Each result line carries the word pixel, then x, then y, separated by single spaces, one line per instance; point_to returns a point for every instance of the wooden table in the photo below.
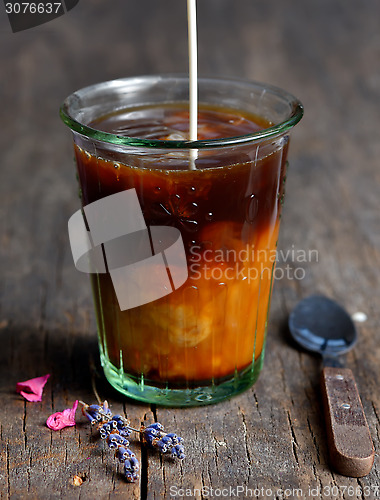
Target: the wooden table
pixel 271 439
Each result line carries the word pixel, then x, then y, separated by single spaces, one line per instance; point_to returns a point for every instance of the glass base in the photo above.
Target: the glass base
pixel 142 390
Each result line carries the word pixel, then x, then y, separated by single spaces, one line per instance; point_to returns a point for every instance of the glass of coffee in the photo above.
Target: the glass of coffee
pixel 208 215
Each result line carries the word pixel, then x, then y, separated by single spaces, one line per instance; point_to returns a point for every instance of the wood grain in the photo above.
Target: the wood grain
pixel 271 438
pixel 350 444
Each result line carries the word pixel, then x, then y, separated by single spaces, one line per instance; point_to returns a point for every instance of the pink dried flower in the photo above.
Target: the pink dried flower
pixel 34 386
pixel 61 419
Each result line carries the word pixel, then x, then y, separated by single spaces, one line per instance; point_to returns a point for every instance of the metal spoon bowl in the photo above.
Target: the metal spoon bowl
pixel 321 325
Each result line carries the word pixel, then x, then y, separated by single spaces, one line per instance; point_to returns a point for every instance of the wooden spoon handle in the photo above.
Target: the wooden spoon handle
pixel 350 444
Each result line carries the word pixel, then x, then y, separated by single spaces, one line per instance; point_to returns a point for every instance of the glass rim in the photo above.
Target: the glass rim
pixel 275 130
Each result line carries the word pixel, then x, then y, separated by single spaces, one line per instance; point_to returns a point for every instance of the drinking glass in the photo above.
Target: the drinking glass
pixel 182 236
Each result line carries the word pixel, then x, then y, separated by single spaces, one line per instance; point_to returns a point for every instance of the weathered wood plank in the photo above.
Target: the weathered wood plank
pixel 272 438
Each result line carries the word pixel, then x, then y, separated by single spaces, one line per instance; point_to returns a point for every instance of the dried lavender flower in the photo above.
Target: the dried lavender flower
pixel 115 429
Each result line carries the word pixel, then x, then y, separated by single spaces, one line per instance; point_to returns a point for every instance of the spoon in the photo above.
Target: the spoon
pixel 321 325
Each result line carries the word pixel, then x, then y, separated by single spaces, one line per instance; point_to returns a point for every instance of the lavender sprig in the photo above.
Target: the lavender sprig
pixel 155 437
pixel 115 429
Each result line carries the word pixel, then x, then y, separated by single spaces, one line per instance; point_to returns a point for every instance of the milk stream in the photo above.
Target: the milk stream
pixel 193 77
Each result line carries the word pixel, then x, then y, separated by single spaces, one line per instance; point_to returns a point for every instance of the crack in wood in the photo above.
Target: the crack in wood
pixel 28 472
pixel 314 440
pixel 257 404
pixel 8 470
pixel 245 435
pixel 144 462
pixel 375 412
pixel 294 438
pixel 314 471
pixel 204 484
pixel 24 427
pixel 163 474
pixel 362 490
